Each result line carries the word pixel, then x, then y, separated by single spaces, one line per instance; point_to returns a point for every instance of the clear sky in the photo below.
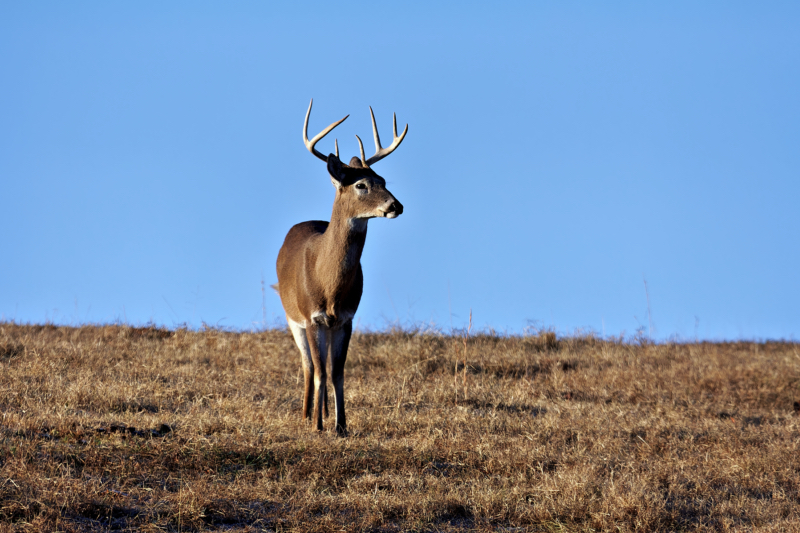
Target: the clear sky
pixel 559 155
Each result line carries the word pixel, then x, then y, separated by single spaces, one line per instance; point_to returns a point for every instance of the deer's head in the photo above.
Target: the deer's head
pixel 360 192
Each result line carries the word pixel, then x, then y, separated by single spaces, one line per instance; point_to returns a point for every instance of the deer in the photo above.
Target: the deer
pixel 320 281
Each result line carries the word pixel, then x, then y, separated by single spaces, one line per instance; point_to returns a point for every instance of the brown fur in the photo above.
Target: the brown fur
pixel 320 280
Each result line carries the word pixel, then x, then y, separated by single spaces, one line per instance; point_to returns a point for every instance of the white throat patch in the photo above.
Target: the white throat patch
pixel 358 224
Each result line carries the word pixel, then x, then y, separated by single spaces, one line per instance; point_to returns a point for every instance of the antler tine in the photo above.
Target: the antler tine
pixel 336 143
pixel 375 131
pixel 361 148
pixel 381 152
pixel 310 144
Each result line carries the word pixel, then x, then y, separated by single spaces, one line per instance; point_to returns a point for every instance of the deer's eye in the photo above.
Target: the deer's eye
pixel 360 186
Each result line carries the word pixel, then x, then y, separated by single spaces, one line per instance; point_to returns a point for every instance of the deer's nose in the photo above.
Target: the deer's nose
pixel 391 209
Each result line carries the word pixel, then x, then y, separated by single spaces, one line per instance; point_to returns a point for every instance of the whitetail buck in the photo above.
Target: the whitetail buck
pixel 319 269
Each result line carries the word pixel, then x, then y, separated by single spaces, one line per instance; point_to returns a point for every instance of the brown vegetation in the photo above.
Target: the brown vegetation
pixel 114 428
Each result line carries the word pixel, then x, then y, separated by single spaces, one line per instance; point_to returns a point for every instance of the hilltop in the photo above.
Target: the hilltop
pixel 123 428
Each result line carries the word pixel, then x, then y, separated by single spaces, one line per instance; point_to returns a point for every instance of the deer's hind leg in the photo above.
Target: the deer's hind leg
pixel 301 339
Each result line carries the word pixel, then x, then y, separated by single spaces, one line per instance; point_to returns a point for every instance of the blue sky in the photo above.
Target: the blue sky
pixel 559 155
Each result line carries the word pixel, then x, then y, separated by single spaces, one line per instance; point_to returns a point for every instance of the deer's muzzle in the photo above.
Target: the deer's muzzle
pixel 393 210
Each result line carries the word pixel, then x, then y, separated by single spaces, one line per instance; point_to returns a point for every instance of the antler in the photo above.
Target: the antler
pixel 381 152
pixel 310 144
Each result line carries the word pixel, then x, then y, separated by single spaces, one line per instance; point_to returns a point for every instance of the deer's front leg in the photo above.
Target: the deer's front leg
pixel 340 341
pixel 317 342
pixel 325 396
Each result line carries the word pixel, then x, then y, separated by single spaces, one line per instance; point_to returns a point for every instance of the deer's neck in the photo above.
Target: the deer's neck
pixel 342 245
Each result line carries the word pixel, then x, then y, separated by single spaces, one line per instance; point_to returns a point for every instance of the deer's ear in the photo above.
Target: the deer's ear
pixel 336 170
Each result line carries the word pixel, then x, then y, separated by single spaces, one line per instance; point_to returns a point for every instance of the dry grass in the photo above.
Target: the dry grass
pixel 113 428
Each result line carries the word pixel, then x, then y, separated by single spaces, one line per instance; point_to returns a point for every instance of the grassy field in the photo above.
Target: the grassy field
pixel 120 428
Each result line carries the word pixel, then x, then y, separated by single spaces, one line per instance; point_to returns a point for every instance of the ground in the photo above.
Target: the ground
pixel 146 429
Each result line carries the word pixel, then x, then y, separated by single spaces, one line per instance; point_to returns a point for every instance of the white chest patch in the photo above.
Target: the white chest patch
pixel 323 319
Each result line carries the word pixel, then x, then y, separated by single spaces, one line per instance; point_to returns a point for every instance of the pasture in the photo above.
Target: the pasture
pixel 144 429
